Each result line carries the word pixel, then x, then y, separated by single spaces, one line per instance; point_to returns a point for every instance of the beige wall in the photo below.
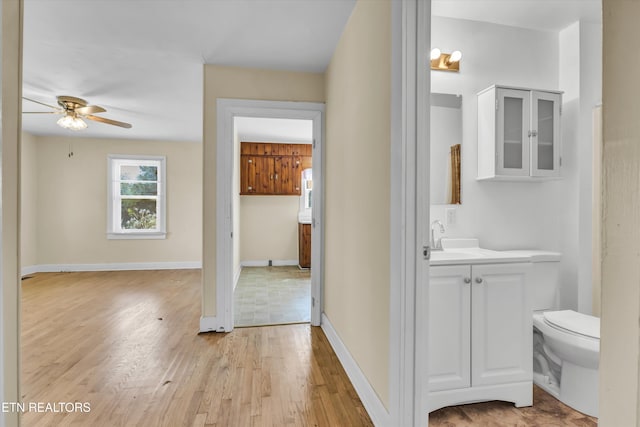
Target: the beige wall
pixel 269 228
pixel 71 210
pixel 357 178
pixel 29 200
pixel 240 83
pixel 620 355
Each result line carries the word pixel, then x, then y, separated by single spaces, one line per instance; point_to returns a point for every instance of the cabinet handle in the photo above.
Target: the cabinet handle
pixel 467 280
pixel 271 177
pixel 533 133
pixel 276 177
pixel 478 279
pixel 249 161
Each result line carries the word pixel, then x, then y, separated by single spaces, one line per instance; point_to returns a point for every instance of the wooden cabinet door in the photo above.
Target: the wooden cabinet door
pixel 306 162
pixel 272 169
pixel 502 324
pixel 449 327
pixel 304 245
pixel 287 178
pixel 247 174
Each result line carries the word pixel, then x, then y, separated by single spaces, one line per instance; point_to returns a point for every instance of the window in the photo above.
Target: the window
pixel 136 197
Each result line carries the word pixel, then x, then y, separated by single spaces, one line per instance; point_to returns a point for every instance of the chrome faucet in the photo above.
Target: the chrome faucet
pixel 436 245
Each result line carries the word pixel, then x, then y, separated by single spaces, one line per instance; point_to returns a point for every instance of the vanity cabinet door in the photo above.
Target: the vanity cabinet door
pixel 502 324
pixel 449 327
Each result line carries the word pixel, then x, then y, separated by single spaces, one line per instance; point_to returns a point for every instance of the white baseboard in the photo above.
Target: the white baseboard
pixel 265 263
pixel 55 268
pixel 375 408
pixel 210 324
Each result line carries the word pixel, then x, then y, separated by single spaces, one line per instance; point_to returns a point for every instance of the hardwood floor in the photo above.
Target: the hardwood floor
pixel 545 412
pixel 127 343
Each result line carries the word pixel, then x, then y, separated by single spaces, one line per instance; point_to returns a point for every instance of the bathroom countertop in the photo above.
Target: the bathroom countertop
pixel 468 251
pixel 304 217
pixel 475 256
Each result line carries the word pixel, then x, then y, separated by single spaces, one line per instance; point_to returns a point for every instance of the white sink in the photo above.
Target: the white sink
pixel 467 251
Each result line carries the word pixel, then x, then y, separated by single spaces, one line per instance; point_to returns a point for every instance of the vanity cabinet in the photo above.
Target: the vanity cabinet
pixel 272 169
pixel 480 334
pixel 519 134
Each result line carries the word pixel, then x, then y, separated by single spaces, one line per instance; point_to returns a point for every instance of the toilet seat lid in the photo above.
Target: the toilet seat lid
pixel 573 321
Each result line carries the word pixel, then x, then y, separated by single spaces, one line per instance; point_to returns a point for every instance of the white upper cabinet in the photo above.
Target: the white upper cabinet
pixel 518 134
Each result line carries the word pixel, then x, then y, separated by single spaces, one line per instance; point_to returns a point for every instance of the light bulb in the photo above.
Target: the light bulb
pixel 435 53
pixel 455 56
pixel 72 122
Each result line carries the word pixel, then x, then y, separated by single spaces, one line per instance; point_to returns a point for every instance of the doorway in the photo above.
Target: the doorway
pixel 228 111
pixel 272 210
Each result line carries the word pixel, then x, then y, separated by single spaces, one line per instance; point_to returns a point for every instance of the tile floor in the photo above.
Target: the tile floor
pixel 272 296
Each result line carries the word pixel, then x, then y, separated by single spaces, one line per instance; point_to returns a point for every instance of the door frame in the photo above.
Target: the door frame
pixel 227 110
pixel 410 205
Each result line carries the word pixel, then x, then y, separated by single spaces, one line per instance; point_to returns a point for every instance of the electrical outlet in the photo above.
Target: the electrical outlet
pixel 451 216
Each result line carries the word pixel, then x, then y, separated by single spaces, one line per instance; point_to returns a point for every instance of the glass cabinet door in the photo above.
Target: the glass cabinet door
pixel 512 149
pixel 545 134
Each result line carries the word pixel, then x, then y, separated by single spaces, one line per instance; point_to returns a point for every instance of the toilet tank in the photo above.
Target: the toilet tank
pixel 545 278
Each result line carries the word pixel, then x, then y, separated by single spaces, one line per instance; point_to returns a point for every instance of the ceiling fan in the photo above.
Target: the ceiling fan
pixel 75 110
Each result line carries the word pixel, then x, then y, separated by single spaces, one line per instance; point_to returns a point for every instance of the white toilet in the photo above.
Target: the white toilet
pixel 566 344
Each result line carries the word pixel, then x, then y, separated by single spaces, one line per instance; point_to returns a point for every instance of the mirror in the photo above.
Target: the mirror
pixel 446 142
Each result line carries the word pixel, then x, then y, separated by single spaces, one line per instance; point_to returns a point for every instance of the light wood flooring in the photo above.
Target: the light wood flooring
pixel 127 343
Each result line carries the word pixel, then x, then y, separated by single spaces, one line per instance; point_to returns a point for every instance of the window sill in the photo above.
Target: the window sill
pixel 137 236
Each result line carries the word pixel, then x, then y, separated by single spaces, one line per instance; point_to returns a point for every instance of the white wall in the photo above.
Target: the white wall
pixel 508 215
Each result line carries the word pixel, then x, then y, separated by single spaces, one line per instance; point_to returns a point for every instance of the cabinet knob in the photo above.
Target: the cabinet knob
pixel 478 279
pixel 249 161
pixel 467 280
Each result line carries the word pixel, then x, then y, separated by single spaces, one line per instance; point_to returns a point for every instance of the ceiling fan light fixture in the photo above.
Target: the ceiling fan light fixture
pixel 71 121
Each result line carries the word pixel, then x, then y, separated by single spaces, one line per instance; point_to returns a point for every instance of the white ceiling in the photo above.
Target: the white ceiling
pixel 546 15
pixel 258 129
pixel 143 59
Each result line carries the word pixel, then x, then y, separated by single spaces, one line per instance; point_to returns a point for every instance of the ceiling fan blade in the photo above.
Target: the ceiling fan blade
pixel 41 103
pixel 109 121
pixel 42 112
pixel 90 109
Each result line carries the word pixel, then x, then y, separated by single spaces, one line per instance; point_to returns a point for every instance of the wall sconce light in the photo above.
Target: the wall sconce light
pixel 445 61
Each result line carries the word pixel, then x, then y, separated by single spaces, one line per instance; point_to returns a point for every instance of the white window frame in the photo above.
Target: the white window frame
pixel 114 229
